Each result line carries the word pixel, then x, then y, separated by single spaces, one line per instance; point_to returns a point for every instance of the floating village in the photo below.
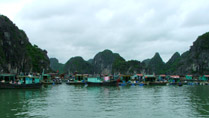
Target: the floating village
pixel 35 81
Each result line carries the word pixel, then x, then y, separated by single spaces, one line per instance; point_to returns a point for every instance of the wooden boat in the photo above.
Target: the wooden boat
pixel 79 79
pixel 57 80
pixel 20 86
pixel 174 79
pixel 76 82
pixel 11 81
pixel 158 83
pixel 46 79
pixel 97 81
pixel 111 83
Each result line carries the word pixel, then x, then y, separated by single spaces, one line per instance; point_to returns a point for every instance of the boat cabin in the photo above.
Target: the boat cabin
pixel 125 78
pixel 46 78
pixel 80 77
pixel 204 78
pixel 174 78
pixel 149 78
pixel 94 79
pixel 137 78
pixel 116 77
pixel 7 78
pixel 189 77
pixel 162 77
pixel 29 79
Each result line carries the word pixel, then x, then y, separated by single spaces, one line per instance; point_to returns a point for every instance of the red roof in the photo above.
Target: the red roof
pixel 206 75
pixel 174 76
pixel 162 75
pixel 139 74
pixel 189 75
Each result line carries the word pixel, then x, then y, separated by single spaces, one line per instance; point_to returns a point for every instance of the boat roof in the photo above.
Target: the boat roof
pixel 175 76
pixel 7 74
pixel 189 75
pixel 139 74
pixel 146 76
pixel 163 75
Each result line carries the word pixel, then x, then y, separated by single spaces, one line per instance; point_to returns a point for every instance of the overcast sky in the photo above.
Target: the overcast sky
pixel 135 29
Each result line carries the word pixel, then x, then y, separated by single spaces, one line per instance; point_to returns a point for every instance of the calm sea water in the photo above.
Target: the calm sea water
pixel 65 101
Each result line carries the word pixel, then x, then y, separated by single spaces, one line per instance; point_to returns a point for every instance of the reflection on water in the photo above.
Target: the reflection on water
pixel 61 101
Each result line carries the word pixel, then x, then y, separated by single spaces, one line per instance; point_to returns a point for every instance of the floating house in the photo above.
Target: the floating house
pixel 189 77
pixel 28 79
pixel 174 79
pixel 98 81
pixel 125 78
pixel 137 77
pixel 116 77
pixel 12 81
pixel 80 77
pixel 149 78
pixel 162 77
pixel 6 78
pixel 46 79
pixel 94 81
pixel 204 78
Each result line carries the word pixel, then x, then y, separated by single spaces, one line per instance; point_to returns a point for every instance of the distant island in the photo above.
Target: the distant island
pixel 17 55
pixel 195 61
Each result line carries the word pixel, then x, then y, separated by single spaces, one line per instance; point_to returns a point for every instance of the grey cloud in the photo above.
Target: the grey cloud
pixel 136 29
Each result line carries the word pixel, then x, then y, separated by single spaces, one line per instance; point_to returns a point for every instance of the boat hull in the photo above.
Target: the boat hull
pixel 112 83
pixel 76 83
pixel 158 83
pixel 20 86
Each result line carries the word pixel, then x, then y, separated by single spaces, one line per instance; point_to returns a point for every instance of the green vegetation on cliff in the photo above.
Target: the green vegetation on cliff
pixel 56 66
pixel 37 56
pixel 203 41
pixel 79 65
pixel 16 52
pixel 156 65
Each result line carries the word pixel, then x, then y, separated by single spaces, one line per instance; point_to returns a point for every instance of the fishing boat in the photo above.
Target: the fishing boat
pixel 125 80
pixel 151 80
pixel 57 80
pixel 11 81
pixel 204 80
pixel 174 79
pixel 98 81
pixel 46 79
pixel 78 79
pixel 136 79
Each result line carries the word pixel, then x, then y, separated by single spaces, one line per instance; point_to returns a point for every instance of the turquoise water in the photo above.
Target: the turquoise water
pixel 65 101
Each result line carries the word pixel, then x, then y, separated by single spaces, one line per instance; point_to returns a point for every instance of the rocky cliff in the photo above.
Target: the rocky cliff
pixel 155 65
pixel 79 65
pixel 17 54
pixel 127 67
pixel 103 61
pixel 196 60
pixel 172 64
pixel 56 66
